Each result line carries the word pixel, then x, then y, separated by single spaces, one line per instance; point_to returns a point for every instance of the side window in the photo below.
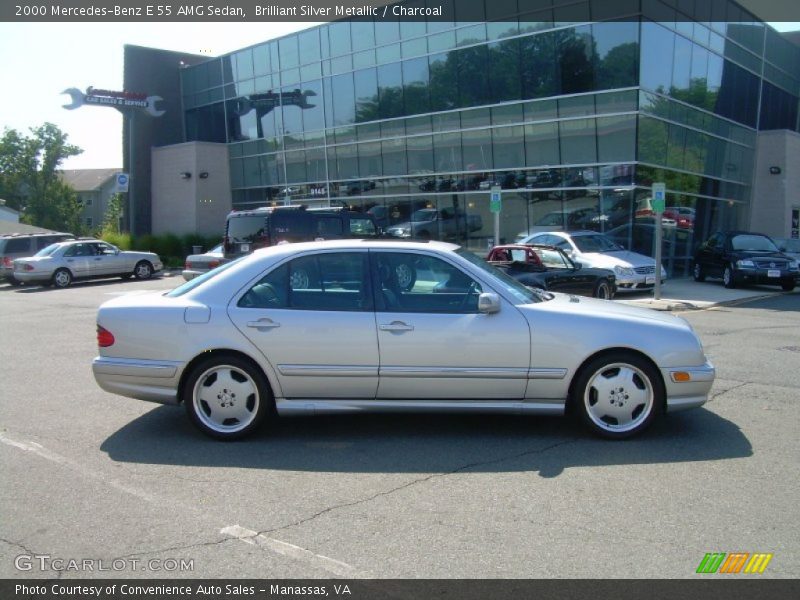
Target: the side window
pixel 423 284
pixel 330 282
pixel 103 249
pixel 329 226
pixel 44 242
pixel 362 227
pixel 79 250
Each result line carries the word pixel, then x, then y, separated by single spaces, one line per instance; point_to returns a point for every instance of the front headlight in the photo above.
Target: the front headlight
pixel 794 266
pixel 745 264
pixel 663 273
pixel 623 271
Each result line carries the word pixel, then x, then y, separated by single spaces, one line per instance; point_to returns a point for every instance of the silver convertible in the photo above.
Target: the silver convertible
pixel 327 327
pixel 62 263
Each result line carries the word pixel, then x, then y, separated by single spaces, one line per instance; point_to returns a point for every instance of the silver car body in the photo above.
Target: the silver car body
pixel 197 264
pixel 521 358
pixel 634 271
pixel 85 259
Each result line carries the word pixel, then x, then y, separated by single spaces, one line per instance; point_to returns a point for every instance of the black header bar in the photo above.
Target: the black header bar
pixel 210 11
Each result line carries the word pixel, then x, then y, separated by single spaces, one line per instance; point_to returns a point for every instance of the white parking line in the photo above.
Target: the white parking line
pixel 41 451
pixel 331 565
pixel 129 293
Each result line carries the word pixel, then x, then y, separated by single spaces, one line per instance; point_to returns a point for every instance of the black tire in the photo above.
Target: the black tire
pixel 698 272
pixel 143 270
pixel 728 277
pixel 13 281
pixel 602 290
pixel 788 286
pixel 603 402
pixel 62 278
pixel 219 379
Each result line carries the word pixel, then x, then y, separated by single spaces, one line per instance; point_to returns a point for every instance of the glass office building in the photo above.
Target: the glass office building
pixel 573 109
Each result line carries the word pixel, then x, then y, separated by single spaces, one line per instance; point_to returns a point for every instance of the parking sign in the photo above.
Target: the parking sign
pixel 659 197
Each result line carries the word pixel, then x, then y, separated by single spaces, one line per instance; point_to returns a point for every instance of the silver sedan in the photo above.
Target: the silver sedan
pixel 197 264
pixel 326 327
pixel 62 263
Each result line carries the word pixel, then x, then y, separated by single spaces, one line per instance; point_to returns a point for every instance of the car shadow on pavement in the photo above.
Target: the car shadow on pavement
pixel 424 443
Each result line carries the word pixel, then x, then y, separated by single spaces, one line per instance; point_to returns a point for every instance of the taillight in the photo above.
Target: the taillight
pixel 188 265
pixel 213 264
pixel 104 337
pixel 27 267
pixel 7 262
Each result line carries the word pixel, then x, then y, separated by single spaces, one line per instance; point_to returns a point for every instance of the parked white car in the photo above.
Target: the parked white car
pixel 197 264
pixel 250 340
pixel 635 272
pixel 62 263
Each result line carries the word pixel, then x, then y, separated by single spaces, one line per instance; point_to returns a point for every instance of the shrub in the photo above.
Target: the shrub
pixel 122 241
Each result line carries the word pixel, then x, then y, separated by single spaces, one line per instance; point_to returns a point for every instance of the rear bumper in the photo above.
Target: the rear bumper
pixel 682 395
pixel 153 381
pixel 31 276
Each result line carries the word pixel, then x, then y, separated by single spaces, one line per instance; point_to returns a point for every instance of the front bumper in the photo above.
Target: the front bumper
pixel 682 395
pixel 150 380
pixel 761 277
pixel 636 283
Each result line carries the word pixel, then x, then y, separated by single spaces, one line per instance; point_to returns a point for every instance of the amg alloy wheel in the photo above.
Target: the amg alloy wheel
pixel 226 397
pixel 618 395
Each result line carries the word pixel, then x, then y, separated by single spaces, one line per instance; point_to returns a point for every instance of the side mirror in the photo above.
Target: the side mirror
pixel 488 303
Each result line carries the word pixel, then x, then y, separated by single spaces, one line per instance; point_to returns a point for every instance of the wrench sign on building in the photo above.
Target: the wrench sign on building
pixel 120 100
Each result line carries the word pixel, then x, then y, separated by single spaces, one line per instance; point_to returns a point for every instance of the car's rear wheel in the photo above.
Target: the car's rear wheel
pixel 618 395
pixel 62 278
pixel 143 270
pixel 728 278
pixel 226 397
pixel 698 272
pixel 602 290
pixel 787 287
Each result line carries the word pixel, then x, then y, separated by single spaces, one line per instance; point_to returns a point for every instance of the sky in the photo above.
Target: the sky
pixel 38 61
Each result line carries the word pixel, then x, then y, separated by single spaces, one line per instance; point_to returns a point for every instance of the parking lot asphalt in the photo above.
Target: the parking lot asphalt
pixel 89 475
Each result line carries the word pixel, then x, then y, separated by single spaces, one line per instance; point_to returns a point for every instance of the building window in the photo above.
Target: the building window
pixel 89 221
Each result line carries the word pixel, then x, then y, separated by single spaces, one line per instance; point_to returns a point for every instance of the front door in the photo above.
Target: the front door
pixel 434 344
pixel 80 259
pixel 312 318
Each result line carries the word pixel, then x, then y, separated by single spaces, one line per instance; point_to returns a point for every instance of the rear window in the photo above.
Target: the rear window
pixel 362 227
pixel 48 250
pixel 15 245
pixel 246 228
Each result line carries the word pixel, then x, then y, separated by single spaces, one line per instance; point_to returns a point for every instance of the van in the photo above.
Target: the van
pixel 248 230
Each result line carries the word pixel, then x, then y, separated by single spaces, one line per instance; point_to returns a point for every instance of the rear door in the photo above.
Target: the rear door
pixel 312 318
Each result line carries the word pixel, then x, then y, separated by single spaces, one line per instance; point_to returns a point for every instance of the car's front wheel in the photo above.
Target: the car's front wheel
pixel 618 395
pixel 62 278
pixel 788 286
pixel 602 290
pixel 143 270
pixel 226 397
pixel 728 278
pixel 698 272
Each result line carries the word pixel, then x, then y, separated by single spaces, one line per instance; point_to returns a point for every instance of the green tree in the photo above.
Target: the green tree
pixel 113 214
pixel 29 179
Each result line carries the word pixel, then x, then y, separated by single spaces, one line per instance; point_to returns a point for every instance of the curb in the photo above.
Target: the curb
pixel 685 305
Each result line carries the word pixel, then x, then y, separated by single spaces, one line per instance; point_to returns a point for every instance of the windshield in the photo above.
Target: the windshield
pixel 753 243
pixel 47 250
pixel 595 243
pixel 523 294
pixel 426 214
pixel 201 279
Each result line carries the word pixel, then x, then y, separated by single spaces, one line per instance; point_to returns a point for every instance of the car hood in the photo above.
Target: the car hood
pixel 621 258
pixel 750 254
pixel 605 309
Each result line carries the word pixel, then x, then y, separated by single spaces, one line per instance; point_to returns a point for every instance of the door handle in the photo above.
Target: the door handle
pixel 263 324
pixel 396 326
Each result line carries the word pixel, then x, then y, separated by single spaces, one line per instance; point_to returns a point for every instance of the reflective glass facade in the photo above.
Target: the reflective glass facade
pixel 573 108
